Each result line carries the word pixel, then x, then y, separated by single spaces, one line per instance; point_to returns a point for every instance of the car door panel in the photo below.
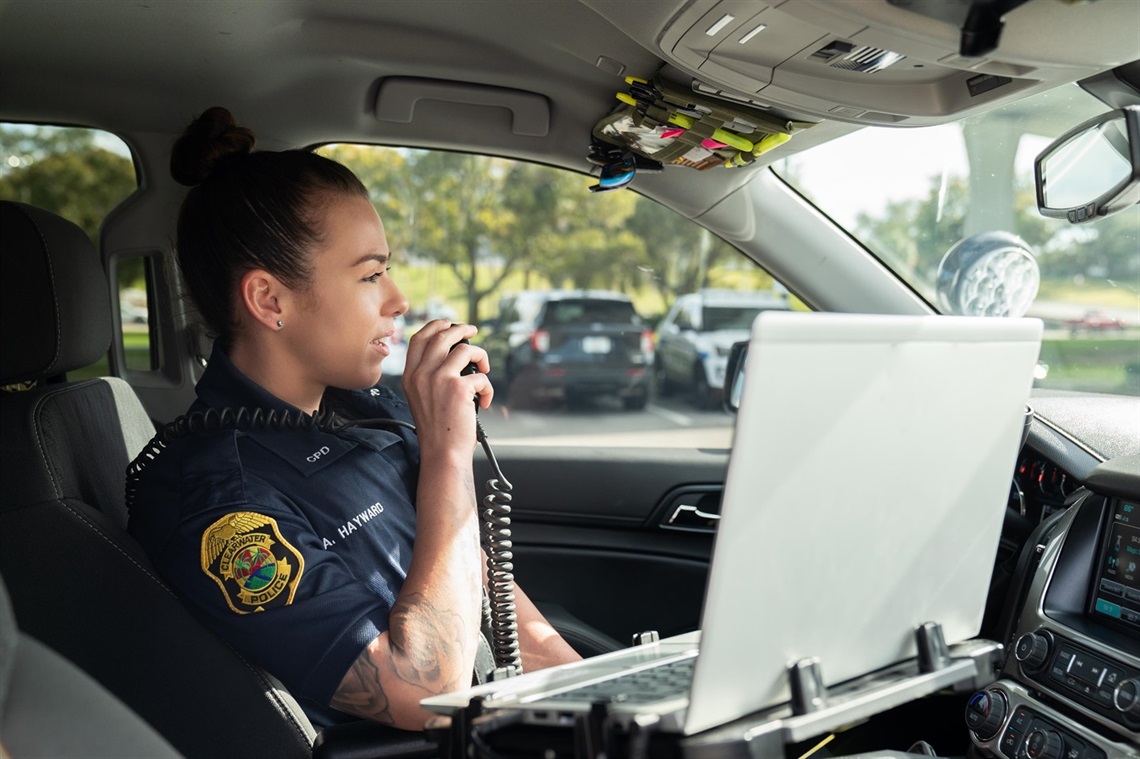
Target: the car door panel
pixel 588 532
pixel 619 592
pixel 678 356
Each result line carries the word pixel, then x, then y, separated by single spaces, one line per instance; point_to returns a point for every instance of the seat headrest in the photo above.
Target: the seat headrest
pixel 55 307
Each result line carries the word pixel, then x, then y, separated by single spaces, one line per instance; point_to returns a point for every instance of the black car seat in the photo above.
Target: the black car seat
pixel 50 707
pixel 78 582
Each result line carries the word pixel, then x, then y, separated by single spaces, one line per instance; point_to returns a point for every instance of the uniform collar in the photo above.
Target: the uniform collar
pixel 223 385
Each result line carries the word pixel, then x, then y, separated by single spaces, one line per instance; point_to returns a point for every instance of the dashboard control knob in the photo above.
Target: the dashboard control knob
pixel 1042 744
pixel 985 713
pixel 1126 697
pixel 1032 649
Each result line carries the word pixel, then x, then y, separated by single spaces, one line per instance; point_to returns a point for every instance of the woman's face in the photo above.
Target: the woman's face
pixel 340 328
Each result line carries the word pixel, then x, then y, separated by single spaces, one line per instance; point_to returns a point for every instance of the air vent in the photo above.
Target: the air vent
pixel 861 58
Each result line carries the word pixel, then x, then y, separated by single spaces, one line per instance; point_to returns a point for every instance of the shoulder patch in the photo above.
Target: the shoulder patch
pixel 255 567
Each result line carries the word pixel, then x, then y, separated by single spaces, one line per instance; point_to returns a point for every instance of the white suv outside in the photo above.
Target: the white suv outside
pixel 694 339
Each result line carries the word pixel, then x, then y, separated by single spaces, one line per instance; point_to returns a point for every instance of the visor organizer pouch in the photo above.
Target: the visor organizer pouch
pixel 661 124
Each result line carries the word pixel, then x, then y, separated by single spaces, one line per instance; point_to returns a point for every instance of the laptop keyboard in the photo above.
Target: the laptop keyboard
pixel 642 686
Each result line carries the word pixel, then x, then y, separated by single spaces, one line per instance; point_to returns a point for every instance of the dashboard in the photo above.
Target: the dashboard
pixel 1069 687
pixel 1041 487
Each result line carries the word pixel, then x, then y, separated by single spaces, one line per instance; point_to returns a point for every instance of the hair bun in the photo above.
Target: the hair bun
pixel 212 140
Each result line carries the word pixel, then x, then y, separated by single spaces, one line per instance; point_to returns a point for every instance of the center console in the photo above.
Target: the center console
pixel 1070 684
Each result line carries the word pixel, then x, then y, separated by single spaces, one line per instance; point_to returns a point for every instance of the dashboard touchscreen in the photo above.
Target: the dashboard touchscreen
pixel 1117 591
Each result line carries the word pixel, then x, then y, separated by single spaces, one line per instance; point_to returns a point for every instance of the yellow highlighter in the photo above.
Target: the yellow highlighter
pixel 720 135
pixel 771 141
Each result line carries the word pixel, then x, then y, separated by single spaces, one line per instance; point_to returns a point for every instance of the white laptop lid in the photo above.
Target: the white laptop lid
pixel 864 496
pixel 869 475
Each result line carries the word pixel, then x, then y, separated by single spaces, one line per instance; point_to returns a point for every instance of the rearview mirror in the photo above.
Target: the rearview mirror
pixel 734 376
pixel 1093 170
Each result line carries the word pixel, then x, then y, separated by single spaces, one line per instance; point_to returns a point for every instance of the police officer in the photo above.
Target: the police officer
pixel 296 545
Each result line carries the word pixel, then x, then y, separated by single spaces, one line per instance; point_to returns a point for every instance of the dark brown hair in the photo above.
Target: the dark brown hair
pixel 247 210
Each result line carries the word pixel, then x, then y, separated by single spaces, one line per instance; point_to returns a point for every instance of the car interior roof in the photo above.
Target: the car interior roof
pixel 307 72
pixel 304 72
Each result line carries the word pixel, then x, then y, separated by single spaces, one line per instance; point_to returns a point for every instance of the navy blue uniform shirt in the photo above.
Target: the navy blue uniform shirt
pixel 291 545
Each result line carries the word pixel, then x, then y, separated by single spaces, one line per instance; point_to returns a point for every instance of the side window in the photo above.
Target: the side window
pixel 693 316
pixel 80 174
pixel 683 320
pixel 508 313
pixel 568 288
pixel 135 286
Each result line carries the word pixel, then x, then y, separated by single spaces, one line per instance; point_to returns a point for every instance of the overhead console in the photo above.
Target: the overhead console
pixel 891 62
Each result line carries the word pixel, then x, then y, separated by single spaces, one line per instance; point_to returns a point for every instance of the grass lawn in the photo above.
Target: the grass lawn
pixel 1110 365
pixel 1104 296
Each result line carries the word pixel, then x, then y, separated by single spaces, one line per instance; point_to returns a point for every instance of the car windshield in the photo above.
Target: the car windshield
pixel 715 318
pixel 909 195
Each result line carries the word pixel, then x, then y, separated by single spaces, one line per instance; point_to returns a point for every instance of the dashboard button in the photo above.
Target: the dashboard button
pixel 986 712
pixel 1105 607
pixel 1043 744
pixel 1032 650
pixel 974 719
pixel 1092 752
pixel 1126 698
pixel 1009 742
pixel 1020 720
pixel 1114 588
pixel 1090 669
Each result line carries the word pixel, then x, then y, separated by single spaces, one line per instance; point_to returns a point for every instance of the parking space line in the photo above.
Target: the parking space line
pixel 679 419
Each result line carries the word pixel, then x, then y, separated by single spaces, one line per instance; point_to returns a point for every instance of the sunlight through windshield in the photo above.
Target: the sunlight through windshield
pixel 909 195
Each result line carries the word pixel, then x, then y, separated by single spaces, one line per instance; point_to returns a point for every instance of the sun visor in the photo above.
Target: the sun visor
pixel 874 62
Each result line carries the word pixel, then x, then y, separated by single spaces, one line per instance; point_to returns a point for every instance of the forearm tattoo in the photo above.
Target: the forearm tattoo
pixel 361 692
pixel 422 638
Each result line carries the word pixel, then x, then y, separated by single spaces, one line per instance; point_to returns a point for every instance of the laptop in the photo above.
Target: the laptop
pixel 864 496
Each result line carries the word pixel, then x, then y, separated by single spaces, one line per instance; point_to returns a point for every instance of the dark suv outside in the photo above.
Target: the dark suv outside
pixel 574 345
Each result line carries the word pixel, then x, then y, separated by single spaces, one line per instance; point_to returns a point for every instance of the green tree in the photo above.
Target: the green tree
pixel 27 143
pixel 915 234
pixel 385 172
pixel 531 195
pixel 64 171
pixel 484 219
pixel 460 219
pixel 583 237
pixel 680 255
pixel 1104 249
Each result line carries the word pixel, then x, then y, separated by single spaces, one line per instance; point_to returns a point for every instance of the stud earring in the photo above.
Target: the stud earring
pixel 280 324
